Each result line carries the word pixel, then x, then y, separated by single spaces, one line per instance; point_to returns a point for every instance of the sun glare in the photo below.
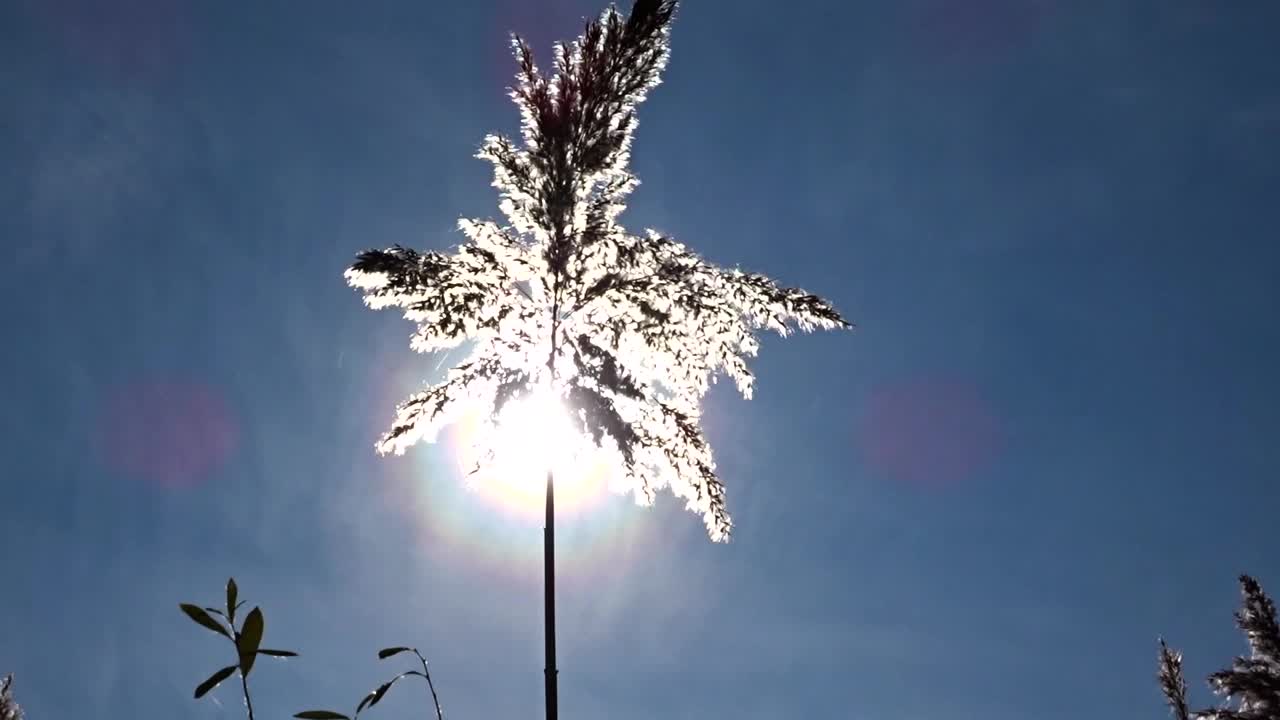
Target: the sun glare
pixel 533 434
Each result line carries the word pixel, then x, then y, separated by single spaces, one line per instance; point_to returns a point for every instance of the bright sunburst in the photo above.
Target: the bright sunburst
pixel 533 433
pixel 631 328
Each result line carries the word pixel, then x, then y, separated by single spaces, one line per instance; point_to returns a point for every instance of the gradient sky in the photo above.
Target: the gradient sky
pixel 1052 439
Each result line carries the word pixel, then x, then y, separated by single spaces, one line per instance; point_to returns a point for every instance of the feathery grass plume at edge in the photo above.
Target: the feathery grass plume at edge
pixel 1250 688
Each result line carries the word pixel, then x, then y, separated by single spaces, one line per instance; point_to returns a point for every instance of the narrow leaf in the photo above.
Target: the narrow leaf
pixel 202 618
pixel 372 698
pixel 250 638
pixel 278 653
pixel 382 691
pixel 232 593
pixel 216 611
pixel 376 696
pixel 214 680
pixel 385 653
pixel 320 715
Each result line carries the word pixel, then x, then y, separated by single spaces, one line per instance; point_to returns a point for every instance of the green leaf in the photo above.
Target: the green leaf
pixel 213 680
pixel 232 593
pixel 372 698
pixel 250 638
pixel 202 618
pixel 278 653
pixel 385 653
pixel 320 715
pixel 215 611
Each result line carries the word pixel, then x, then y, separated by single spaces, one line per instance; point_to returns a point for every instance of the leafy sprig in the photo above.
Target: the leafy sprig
pixel 375 696
pixel 246 640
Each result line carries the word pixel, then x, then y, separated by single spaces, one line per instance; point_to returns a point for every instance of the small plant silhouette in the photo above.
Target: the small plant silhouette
pixel 375 696
pixel 247 640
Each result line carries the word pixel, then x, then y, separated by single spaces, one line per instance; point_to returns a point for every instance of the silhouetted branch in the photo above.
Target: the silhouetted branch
pixel 1250 687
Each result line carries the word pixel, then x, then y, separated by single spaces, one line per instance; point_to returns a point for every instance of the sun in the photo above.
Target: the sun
pixel 533 433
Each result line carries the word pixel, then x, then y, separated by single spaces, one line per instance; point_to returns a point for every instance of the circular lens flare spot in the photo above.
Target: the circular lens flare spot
pixel 171 434
pixel 980 31
pixel 134 40
pixel 930 432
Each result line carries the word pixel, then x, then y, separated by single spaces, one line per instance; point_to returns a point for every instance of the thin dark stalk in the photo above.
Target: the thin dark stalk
pixel 550 672
pixel 244 685
pixel 427 674
pixel 549 567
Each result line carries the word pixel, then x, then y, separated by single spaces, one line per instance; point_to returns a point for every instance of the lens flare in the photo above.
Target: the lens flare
pixel 169 433
pixel 533 434
pixel 931 431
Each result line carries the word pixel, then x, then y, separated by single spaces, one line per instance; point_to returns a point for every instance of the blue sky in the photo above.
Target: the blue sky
pixel 1051 439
